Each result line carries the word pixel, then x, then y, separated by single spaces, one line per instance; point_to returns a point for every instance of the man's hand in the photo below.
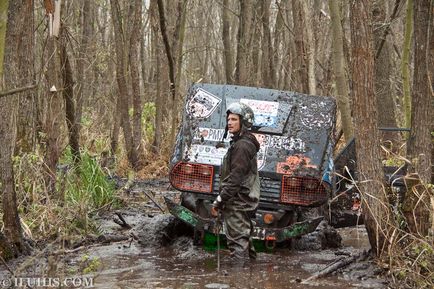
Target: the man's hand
pixel 216 206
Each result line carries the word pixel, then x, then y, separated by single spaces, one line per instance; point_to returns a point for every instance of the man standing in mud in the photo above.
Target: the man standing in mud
pixel 239 187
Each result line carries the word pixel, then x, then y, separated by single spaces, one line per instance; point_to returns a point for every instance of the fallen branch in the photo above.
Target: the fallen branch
pixel 336 266
pixel 121 222
pixel 105 240
pixel 17 90
pixel 152 199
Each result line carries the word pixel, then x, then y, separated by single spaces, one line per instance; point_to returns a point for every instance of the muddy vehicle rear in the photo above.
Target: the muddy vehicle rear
pixel 295 132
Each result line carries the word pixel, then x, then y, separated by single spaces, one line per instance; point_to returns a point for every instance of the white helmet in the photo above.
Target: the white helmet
pixel 245 112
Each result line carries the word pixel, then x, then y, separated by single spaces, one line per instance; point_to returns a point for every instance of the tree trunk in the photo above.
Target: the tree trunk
pixel 54 114
pixel 310 51
pixel 159 104
pixel 25 48
pixel 278 37
pixel 136 32
pixel 68 95
pixel 12 243
pixel 419 143
pixel 370 172
pixel 289 75
pixel 254 55
pixel 87 12
pixel 11 221
pixel 114 137
pixel 169 52
pixel 3 23
pixel 300 60
pixel 419 147
pixel 383 85
pixel 116 125
pixel 159 109
pixel 342 93
pixel 405 64
pixel 21 73
pixel 121 74
pixel 227 45
pixel 179 40
pixel 244 31
pixel 431 80
pixel 268 77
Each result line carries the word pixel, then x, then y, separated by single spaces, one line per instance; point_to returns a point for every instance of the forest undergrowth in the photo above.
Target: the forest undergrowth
pixel 84 189
pixel 408 256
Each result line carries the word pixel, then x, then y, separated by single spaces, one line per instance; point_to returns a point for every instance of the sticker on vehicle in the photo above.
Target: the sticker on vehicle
pixel 210 134
pixel 202 104
pixel 265 112
pixel 206 154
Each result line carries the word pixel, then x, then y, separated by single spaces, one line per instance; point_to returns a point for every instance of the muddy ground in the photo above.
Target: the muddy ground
pixel 158 252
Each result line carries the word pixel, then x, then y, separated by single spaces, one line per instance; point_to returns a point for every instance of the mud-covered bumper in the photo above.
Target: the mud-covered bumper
pixel 261 233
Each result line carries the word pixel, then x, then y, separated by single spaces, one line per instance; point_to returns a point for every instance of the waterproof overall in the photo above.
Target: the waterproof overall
pixel 239 190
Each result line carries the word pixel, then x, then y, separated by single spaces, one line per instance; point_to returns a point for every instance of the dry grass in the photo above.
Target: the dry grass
pixel 408 252
pixel 64 215
pixel 407 255
pixel 411 261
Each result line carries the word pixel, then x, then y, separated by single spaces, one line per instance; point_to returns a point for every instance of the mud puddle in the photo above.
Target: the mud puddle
pixel 159 253
pixel 162 257
pixel 181 265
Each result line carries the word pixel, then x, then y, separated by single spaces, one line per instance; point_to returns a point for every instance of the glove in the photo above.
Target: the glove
pixel 216 206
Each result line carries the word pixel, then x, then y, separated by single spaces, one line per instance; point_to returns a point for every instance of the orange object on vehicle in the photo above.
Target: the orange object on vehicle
pixel 302 190
pixel 192 177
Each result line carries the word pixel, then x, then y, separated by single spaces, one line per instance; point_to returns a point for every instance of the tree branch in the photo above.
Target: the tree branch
pixel 167 47
pixel 17 90
pixel 386 31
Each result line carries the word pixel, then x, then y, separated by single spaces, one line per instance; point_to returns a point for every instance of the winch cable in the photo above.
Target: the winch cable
pixel 218 227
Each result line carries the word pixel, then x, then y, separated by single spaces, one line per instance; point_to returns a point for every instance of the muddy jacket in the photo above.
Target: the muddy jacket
pixel 239 187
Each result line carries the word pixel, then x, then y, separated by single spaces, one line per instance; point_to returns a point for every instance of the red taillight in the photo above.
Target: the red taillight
pixel 192 177
pixel 303 191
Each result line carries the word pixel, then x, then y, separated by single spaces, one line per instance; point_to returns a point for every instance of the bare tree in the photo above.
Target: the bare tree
pixel 243 37
pixel 178 45
pixel 419 143
pixel 310 49
pixel 54 113
pixel 383 65
pixel 405 63
pixel 68 95
pixel 156 76
pixel 370 170
pixel 279 36
pixel 87 11
pixel 228 51
pixel 171 48
pixel 3 23
pixel 25 50
pixel 300 60
pixel 135 75
pixel 419 147
pixel 342 93
pixel 268 69
pixel 13 243
pixel 169 52
pixel 121 77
